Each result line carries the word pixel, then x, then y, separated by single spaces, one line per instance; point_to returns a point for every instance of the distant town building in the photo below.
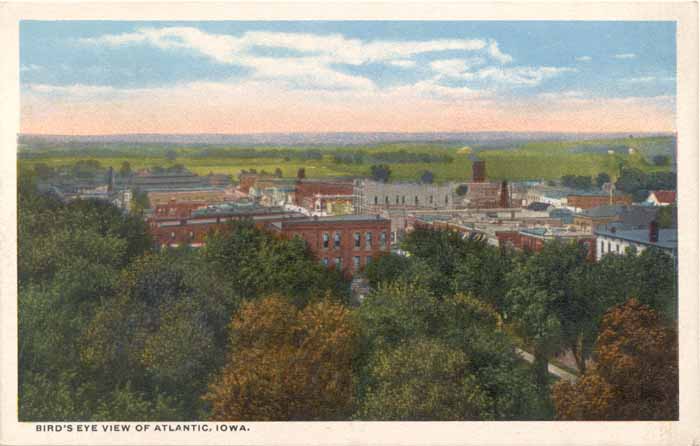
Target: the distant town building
pixel 148 180
pixel 348 243
pixel 616 241
pixel 534 239
pixel 579 202
pixel 309 192
pixel 661 198
pixel 374 196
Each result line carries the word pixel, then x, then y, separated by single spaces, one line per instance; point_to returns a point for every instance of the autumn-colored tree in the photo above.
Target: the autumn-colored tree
pixel 635 376
pixel 286 364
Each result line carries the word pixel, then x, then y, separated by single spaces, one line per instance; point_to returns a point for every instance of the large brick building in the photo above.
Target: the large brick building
pixel 308 192
pixel 348 242
pixel 375 196
pixel 533 239
pixel 173 231
pixel 587 201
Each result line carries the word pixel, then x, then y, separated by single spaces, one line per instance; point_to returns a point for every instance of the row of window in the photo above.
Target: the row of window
pixel 356 262
pixel 416 201
pixel 357 238
pixel 607 247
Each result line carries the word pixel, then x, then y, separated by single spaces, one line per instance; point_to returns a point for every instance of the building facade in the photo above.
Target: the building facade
pixel 617 241
pixel 348 243
pixel 374 196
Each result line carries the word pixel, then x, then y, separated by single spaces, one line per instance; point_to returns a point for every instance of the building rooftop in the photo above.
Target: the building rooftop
pixel 236 208
pixel 602 211
pixel 538 206
pixel 331 219
pixel 668 238
pixel 665 196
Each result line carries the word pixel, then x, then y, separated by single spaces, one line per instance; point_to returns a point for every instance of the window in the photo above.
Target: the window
pixel 368 239
pixel 191 235
pixel 325 240
pixel 382 239
pixel 325 261
pixel 386 199
pixel 403 199
pixel 446 200
pixel 338 262
pixel 393 236
pixel 356 263
pixel 431 199
pixel 617 248
pixel 397 199
pixel 376 200
pixel 172 235
pixel 336 240
pixel 416 199
pixel 368 260
pixel 358 239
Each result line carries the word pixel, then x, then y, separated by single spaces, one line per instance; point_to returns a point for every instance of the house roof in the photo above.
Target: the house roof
pixel 668 238
pixel 665 196
pixel 602 211
pixel 538 206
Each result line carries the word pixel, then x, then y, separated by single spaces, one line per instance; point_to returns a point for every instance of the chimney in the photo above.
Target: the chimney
pixel 479 171
pixel 110 180
pixel 505 195
pixel 653 231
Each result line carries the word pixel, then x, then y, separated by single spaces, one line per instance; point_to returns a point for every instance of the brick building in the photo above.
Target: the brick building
pixel 191 230
pixel 533 239
pixel 347 242
pixel 375 196
pixel 588 201
pixel 307 192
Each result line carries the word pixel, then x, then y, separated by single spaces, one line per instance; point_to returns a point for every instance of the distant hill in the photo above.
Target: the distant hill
pixel 483 139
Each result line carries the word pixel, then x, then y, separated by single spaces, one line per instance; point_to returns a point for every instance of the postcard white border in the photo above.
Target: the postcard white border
pixel 685 431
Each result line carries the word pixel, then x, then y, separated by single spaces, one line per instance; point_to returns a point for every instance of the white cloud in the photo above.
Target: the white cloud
pixel 521 75
pixel 30 67
pixel 637 80
pixel 560 95
pixel 402 63
pixel 75 90
pixel 625 56
pixel 319 54
pixel 496 53
pixel 584 59
pixel 455 67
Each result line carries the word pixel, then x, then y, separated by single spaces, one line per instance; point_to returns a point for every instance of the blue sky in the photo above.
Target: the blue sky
pixel 440 61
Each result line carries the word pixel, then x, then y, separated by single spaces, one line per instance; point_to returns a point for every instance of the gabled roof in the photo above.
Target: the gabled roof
pixel 665 196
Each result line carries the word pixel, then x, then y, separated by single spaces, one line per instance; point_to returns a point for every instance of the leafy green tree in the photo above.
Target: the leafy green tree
pixel 661 160
pixel 635 376
pixel 380 172
pixel 170 155
pixel 548 309
pixel 602 178
pixel 287 364
pixel 423 380
pixel 462 190
pixel 125 169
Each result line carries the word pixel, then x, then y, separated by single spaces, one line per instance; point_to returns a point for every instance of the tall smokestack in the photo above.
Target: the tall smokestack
pixel 653 231
pixel 505 195
pixel 479 171
pixel 110 180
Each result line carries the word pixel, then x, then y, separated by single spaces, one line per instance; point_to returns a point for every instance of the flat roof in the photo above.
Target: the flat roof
pixel 332 219
pixel 668 238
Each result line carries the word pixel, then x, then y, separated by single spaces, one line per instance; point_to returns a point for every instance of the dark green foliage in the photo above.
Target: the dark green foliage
pixel 602 178
pixel 462 190
pixel 427 177
pixel 380 172
pixel 638 184
pixel 170 155
pixel 661 160
pixel 576 181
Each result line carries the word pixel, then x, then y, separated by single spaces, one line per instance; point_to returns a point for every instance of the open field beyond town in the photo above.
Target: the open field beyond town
pixel 545 160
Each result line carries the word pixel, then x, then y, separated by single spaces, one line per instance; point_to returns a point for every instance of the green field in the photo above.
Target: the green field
pixel 534 160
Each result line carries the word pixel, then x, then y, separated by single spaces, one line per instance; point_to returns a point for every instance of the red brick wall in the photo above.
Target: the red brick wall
pixel 307 189
pixel 312 233
pixel 592 201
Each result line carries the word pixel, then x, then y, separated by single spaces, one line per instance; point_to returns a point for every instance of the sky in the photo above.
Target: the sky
pixel 234 77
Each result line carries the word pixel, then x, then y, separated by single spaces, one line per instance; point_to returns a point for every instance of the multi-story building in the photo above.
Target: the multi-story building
pixel 579 202
pixel 616 241
pixel 348 242
pixel 168 180
pixel 309 191
pixel 534 239
pixel 191 230
pixel 375 196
